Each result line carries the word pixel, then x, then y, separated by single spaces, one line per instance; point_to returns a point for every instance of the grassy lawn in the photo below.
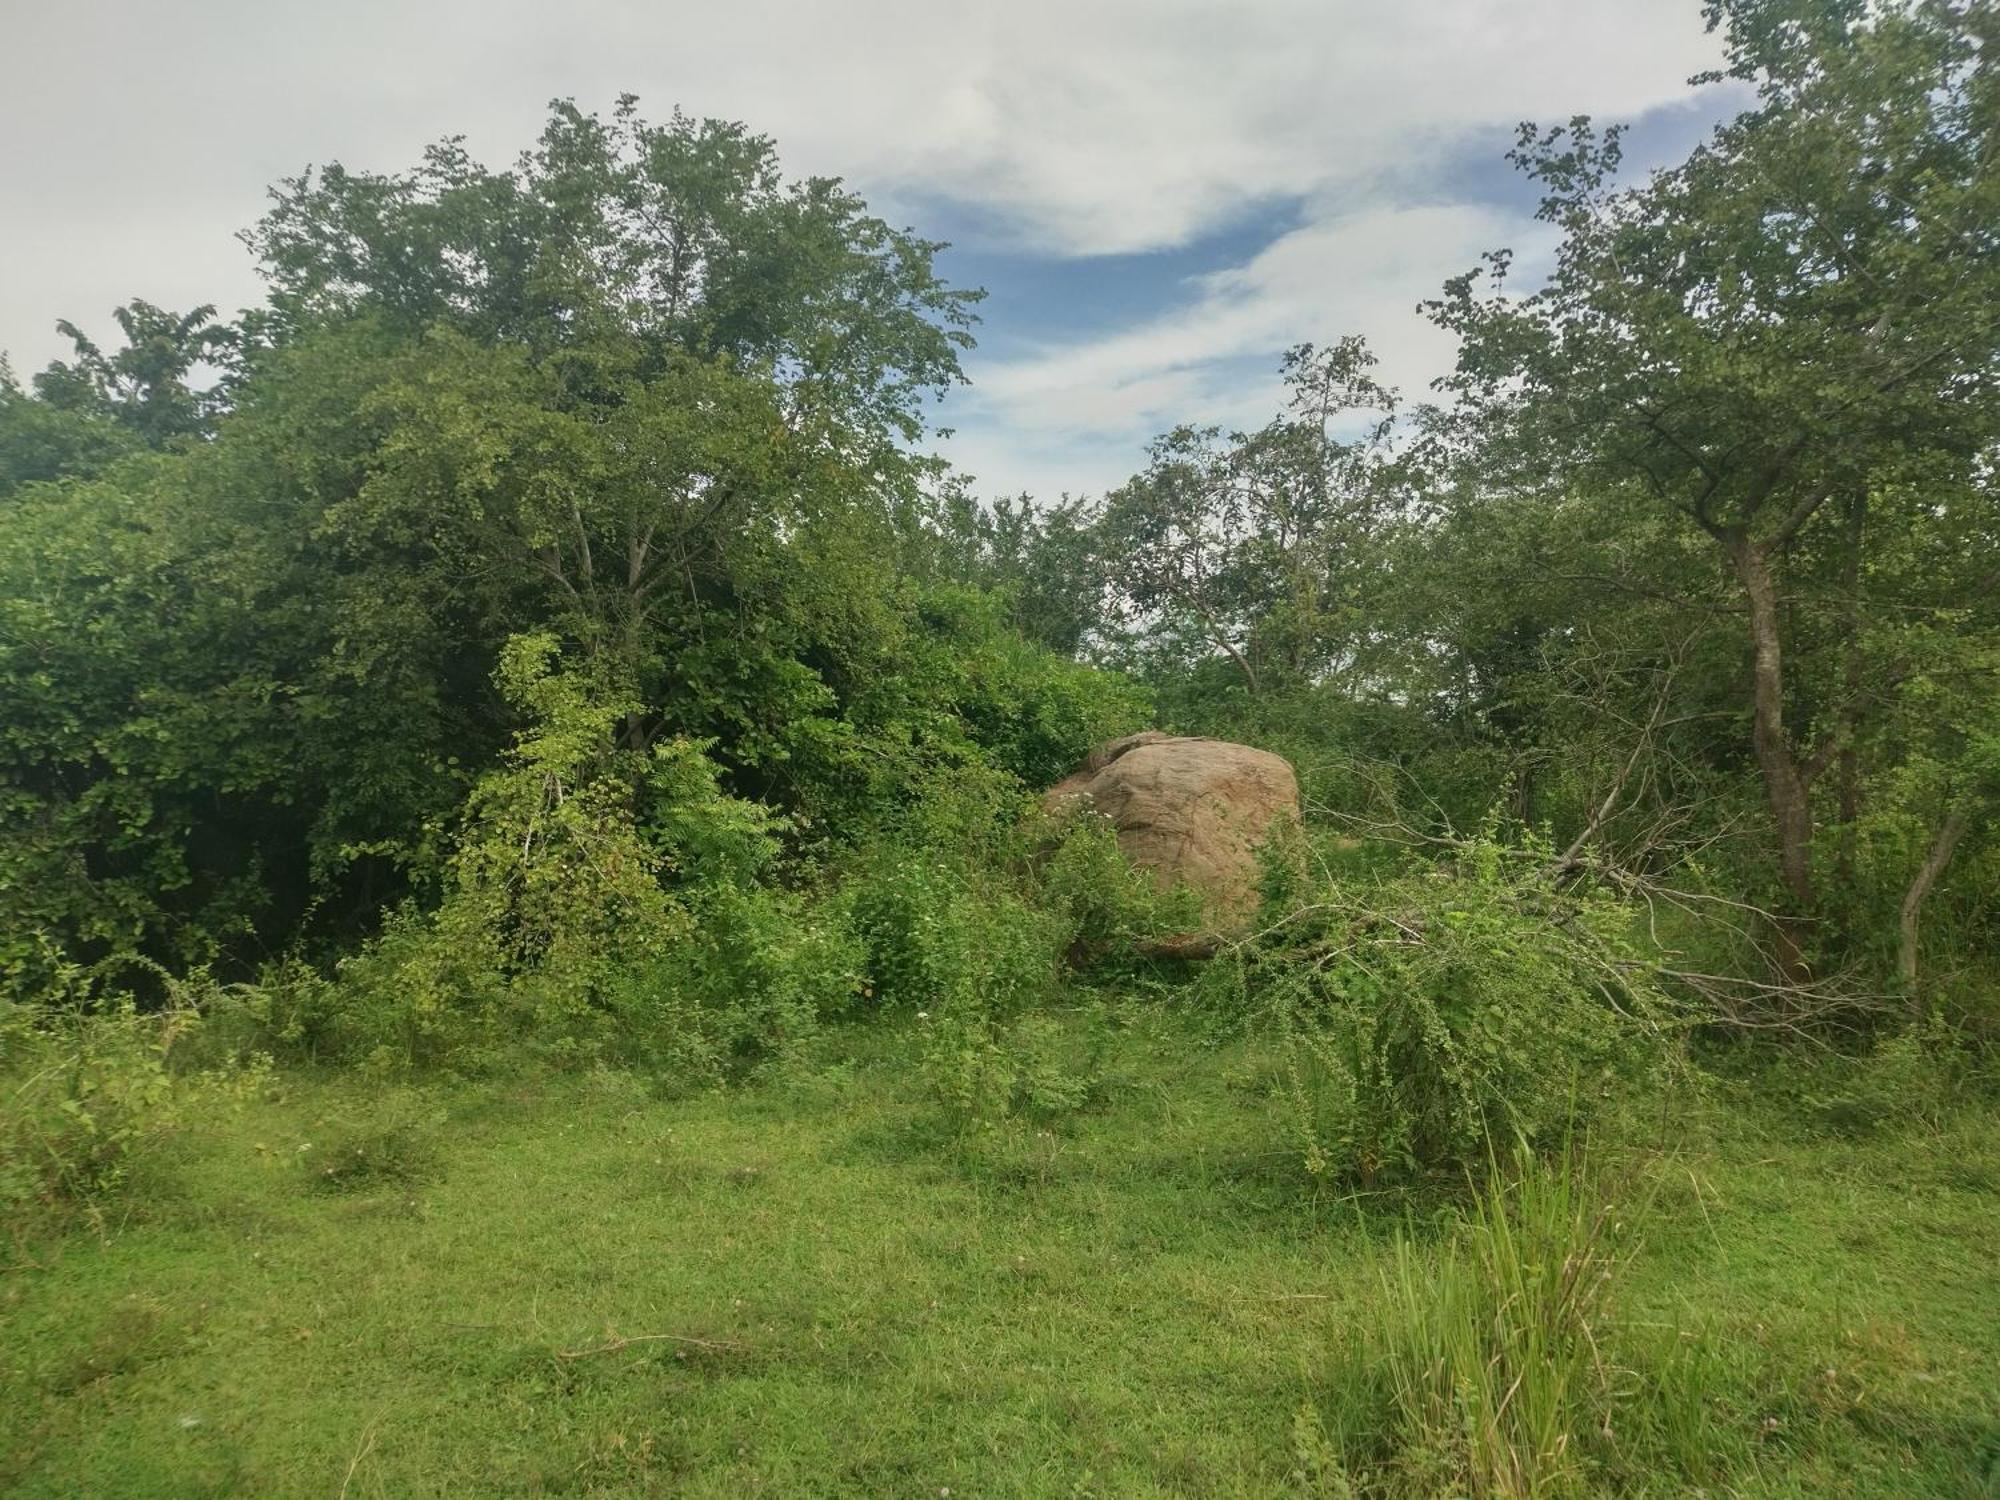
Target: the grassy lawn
pixel 573 1286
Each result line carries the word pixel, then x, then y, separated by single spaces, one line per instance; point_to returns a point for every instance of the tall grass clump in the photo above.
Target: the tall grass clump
pixel 1493 1363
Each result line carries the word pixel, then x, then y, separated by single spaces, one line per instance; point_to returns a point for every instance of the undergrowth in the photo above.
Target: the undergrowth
pixel 1496 1362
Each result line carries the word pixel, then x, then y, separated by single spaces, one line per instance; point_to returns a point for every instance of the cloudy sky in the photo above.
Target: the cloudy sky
pixel 1159 196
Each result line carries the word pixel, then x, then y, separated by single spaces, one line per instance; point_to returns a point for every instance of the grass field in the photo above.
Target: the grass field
pixel 571 1285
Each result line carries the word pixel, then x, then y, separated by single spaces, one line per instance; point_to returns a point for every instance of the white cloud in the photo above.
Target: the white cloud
pixel 1362 273
pixel 1120 127
pixel 140 136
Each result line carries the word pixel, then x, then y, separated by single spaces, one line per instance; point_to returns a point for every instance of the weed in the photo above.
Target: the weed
pixel 396 1144
pixel 1493 1364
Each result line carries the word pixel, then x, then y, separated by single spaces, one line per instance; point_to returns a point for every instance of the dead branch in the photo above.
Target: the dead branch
pixel 616 1343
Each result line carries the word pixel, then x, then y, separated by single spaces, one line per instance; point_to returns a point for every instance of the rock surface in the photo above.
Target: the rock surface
pixel 1188 810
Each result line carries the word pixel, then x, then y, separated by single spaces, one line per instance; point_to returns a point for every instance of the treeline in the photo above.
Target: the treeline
pixel 1694 562
pixel 546 585
pixel 636 392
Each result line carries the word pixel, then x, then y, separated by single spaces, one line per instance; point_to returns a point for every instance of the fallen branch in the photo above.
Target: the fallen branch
pixel 1184 945
pixel 615 1343
pixel 367 1447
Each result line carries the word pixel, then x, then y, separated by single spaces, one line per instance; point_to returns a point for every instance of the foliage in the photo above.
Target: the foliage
pixel 680 237
pixel 601 899
pixel 1106 906
pixel 1785 347
pixel 981 1052
pixel 546 650
pixel 1257 548
pixel 551 893
pixel 1429 1015
pixel 640 392
pixel 40 442
pixel 1045 559
pixel 1911 1082
pixel 966 958
pixel 142 388
pixel 90 1086
pixel 978 951
pixel 757 978
pixel 84 1095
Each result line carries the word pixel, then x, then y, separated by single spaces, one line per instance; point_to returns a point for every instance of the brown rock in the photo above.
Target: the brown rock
pixel 1188 810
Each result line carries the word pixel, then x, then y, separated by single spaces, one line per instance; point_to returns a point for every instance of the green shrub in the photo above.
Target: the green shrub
pixel 983 1068
pixel 968 958
pixel 290 1011
pixel 89 1084
pixel 1058 1069
pixel 602 901
pixel 83 1094
pixel 753 981
pixel 1032 713
pixel 551 894
pixel 905 911
pixel 1425 1016
pixel 1104 903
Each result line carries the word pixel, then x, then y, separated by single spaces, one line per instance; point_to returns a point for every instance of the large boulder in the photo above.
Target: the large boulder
pixel 1189 810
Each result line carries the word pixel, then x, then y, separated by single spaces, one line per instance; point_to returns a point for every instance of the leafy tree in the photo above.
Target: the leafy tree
pixel 143 387
pixel 638 396
pixel 1043 555
pixel 39 441
pixel 1255 548
pixel 647 240
pixel 1795 325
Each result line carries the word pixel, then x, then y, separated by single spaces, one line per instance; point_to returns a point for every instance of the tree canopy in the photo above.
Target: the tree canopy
pixel 1687 567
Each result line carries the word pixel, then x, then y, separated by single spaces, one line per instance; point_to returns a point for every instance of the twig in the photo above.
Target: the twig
pixel 367 1447
pixel 613 1345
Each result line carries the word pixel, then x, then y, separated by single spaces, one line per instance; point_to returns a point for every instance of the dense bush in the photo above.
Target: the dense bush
pixel 1106 905
pixel 601 900
pixel 604 901
pixel 90 1085
pixel 975 948
pixel 1424 1017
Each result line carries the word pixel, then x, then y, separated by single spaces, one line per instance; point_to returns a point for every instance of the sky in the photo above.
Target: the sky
pixel 1159 197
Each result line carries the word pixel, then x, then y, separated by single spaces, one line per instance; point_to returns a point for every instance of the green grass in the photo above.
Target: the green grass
pixel 572 1286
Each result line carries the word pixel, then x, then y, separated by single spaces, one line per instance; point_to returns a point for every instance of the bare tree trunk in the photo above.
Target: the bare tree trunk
pixel 1216 635
pixel 1927 875
pixel 1848 763
pixel 1784 785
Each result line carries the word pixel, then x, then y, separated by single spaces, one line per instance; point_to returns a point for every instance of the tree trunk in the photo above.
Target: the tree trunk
pixel 1214 628
pixel 1848 761
pixel 1784 784
pixel 1913 899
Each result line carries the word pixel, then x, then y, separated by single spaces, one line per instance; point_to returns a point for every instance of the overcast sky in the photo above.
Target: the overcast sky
pixel 1158 196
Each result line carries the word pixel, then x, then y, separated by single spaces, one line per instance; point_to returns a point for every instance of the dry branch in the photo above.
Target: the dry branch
pixel 616 1342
